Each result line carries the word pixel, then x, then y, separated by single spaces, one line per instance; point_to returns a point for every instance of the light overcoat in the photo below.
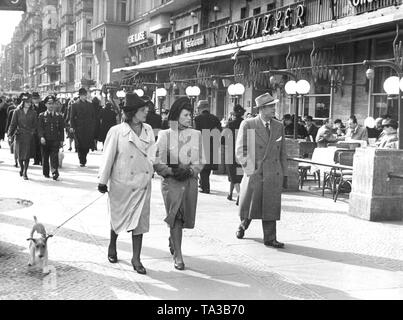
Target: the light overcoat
pixel 128 167
pixel 264 160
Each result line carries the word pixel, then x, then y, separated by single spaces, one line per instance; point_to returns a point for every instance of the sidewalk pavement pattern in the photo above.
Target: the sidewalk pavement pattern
pixel 328 254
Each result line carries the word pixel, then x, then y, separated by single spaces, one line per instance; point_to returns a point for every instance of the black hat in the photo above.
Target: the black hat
pixel 178 106
pixel 35 95
pixel 239 111
pixel 133 103
pixel 25 96
pixel 48 98
pixel 82 92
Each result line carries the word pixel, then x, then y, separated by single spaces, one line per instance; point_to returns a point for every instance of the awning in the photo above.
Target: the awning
pixel 181 59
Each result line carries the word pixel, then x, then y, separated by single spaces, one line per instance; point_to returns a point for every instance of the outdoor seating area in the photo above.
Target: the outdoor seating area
pixel 330 168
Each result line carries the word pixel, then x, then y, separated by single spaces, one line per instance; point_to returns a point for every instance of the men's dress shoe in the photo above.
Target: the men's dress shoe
pixel 56 176
pixel 47 176
pixel 139 269
pixel 82 165
pixel 21 173
pixel 274 244
pixel 26 178
pixel 229 198
pixel 240 233
pixel 179 266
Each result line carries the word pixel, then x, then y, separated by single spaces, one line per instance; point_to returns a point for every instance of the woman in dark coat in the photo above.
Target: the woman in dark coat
pixel 234 170
pixel 179 161
pixel 24 127
pixel 107 121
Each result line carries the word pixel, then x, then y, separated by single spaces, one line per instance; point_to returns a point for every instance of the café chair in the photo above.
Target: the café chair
pixel 345 177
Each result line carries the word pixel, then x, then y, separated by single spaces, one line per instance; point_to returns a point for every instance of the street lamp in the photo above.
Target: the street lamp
pixel 297 90
pixel 121 95
pixel 139 92
pixel 236 91
pixel 193 93
pixel 161 94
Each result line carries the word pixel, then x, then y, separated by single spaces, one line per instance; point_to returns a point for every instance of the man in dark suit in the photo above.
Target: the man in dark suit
pixel 51 134
pixel 82 124
pixel 206 121
pixel 311 128
pixel 153 119
pixel 39 107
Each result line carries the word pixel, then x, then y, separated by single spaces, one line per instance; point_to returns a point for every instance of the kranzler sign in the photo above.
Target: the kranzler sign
pixel 273 22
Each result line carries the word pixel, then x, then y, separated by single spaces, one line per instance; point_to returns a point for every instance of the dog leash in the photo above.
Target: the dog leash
pixel 75 215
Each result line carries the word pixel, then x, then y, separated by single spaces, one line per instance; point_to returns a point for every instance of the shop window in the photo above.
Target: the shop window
pixel 382 104
pixel 244 13
pixel 256 11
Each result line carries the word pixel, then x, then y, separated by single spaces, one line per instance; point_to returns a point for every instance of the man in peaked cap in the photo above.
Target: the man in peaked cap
pixel 82 123
pixel 261 150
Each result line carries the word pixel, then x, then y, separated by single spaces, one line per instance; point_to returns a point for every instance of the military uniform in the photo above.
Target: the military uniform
pixel 51 128
pixel 40 108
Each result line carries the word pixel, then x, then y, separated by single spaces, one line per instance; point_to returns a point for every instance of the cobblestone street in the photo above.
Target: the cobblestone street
pixel 328 254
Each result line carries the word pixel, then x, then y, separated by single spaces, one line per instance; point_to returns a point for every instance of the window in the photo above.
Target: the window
pixel 383 105
pixel 71 38
pixel 244 13
pixel 183 33
pixel 196 28
pixel 89 68
pixel 256 11
pixel 89 26
pixel 271 6
pixel 122 10
pixel 71 67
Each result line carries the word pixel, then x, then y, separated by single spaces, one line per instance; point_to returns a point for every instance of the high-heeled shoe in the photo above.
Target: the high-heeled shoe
pixel 179 266
pixel 112 256
pixel 171 247
pixel 139 269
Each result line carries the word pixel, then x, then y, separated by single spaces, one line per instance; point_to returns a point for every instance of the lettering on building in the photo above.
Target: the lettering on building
pixel 137 37
pixel 178 47
pixel 196 42
pixel 272 22
pixel 357 3
pixel 70 50
pixel 164 50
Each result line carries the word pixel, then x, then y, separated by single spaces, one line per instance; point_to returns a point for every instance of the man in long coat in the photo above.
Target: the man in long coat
pixel 261 151
pixel 39 107
pixel 82 123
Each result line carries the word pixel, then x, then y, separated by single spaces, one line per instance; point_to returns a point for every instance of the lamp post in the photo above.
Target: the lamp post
pixel 161 94
pixel 121 94
pixel 139 92
pixel 297 90
pixel 236 91
pixel 193 93
pixel 393 86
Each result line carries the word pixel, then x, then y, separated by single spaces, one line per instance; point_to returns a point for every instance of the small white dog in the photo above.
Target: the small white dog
pixel 38 247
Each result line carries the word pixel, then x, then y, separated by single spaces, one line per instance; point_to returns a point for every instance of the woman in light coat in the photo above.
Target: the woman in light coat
pixel 127 165
pixel 179 161
pixel 23 127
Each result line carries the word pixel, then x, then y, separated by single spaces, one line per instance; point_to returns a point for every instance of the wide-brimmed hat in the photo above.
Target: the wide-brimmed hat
pixel 177 107
pixel 133 103
pixel 266 100
pixel 391 123
pixel 239 111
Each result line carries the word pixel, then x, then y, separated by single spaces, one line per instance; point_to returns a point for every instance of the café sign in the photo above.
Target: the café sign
pixel 137 37
pixel 164 50
pixel 273 22
pixel 194 42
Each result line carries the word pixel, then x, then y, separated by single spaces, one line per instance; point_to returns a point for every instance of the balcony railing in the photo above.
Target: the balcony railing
pixel 316 11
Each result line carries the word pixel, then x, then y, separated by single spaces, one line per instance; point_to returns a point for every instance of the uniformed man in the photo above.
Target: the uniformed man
pixel 82 124
pixel 51 134
pixel 39 107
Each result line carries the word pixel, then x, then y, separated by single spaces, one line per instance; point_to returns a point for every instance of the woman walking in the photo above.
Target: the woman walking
pixel 234 170
pixel 127 165
pixel 24 127
pixel 179 161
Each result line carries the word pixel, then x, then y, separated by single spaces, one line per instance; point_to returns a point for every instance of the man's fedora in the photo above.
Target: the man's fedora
pixel 203 105
pixel 265 100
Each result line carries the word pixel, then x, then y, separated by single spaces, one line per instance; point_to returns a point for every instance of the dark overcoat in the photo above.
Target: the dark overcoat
pixel 83 122
pixel 24 128
pixel 107 121
pixel 264 160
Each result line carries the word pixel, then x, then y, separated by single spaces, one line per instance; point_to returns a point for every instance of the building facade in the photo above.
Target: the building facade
pixel 212 44
pixel 76 45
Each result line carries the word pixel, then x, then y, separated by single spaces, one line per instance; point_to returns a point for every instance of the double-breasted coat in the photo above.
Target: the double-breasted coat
pixel 264 160
pixel 127 166
pixel 24 127
pixel 83 120
pixel 183 147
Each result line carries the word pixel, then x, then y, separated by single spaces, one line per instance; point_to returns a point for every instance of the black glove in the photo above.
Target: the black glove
pixel 103 188
pixel 285 183
pixel 182 174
